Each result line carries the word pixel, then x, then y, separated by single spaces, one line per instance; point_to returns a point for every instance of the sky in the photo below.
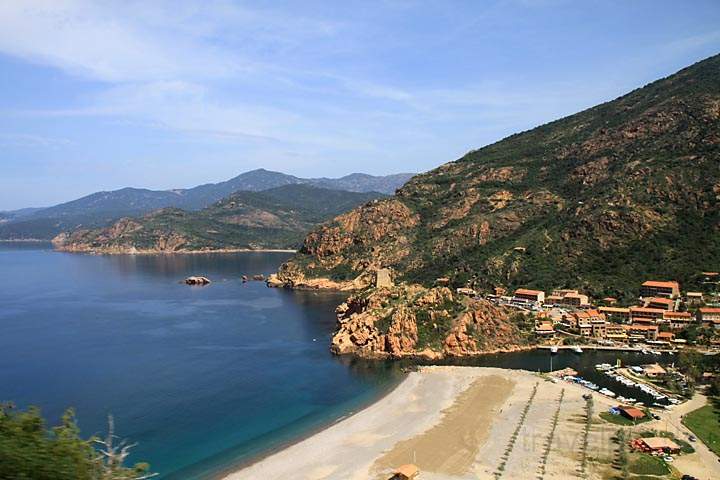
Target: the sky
pixel 99 95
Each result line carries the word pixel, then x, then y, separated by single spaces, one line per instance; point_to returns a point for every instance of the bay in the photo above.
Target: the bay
pixel 203 378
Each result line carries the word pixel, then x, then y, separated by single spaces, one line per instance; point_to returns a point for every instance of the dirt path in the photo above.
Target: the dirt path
pixel 702 464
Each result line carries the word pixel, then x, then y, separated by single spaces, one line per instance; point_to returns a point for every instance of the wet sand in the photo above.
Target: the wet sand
pixel 461 423
pixel 438 417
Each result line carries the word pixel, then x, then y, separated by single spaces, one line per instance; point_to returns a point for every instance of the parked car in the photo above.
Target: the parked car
pixel 692 438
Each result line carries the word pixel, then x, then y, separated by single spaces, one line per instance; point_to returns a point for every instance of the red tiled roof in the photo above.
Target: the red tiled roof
pixel 659 284
pixel 646 310
pixel 525 291
pixel 636 326
pixel 710 310
pixel 666 301
pixel 633 412
pixel 677 315
pixel 615 309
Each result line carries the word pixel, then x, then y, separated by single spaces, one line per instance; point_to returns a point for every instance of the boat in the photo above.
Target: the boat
pixel 607 392
pixel 645 352
pixel 577 349
pixel 554 349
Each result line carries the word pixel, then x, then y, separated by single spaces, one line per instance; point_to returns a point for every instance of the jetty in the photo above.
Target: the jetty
pixel 615 348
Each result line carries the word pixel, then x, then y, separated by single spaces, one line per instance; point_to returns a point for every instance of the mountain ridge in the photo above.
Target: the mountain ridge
pixel 273 219
pixel 102 208
pixel 598 200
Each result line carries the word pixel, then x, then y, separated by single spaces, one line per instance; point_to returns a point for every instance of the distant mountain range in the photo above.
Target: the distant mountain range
pixel 277 218
pixel 103 208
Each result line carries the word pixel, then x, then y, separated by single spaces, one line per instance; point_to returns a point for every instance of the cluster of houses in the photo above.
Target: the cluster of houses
pixel 656 319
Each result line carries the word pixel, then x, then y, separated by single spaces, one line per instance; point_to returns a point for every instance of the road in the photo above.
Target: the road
pixel 702 464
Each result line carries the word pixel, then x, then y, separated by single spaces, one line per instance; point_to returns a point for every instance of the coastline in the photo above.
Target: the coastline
pixel 421 413
pixel 24 240
pixel 174 252
pixel 228 471
pixel 454 423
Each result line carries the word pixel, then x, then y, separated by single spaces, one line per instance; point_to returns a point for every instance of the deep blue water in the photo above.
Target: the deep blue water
pixel 202 377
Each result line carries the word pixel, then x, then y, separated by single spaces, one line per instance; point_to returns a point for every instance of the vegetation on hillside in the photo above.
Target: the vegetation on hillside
pixel 29 451
pixel 275 218
pixel 100 209
pixel 600 200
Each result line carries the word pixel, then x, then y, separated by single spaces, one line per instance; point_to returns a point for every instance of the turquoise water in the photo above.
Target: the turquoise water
pixel 204 378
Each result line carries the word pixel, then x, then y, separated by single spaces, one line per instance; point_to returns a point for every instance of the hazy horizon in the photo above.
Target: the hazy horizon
pixel 98 97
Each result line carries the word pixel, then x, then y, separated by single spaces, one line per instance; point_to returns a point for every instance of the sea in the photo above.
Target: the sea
pixel 204 378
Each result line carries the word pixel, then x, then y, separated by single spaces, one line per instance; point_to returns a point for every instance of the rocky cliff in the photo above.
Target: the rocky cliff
pixel 600 201
pixel 413 321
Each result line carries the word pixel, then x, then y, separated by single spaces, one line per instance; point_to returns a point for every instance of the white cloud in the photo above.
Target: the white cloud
pixel 147 41
pixel 32 141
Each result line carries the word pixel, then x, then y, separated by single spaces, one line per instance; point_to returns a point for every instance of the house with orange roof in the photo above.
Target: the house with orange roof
pixel 660 303
pixel 645 314
pixel 655 288
pixel 527 295
pixel 615 332
pixel 678 320
pixel 544 329
pixel 666 337
pixel 638 332
pixel 618 314
pixel 709 317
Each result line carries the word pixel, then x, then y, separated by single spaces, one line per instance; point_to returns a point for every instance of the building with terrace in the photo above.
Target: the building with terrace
pixel 655 288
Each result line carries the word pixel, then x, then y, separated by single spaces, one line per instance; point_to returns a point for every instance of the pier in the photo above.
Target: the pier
pixel 617 348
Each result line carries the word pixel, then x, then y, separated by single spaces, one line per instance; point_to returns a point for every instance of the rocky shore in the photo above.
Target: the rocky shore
pixel 411 321
pixel 71 244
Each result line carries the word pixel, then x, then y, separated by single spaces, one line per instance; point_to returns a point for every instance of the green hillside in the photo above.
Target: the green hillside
pixel 277 218
pixel 599 200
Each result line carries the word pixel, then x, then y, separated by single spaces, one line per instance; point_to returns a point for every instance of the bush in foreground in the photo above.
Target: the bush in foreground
pixel 28 450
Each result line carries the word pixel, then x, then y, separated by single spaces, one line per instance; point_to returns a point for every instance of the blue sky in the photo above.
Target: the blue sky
pixel 101 95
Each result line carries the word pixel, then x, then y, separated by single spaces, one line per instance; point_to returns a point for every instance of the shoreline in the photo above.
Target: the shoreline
pixel 176 252
pixel 427 396
pixel 454 423
pixel 256 459
pixel 24 240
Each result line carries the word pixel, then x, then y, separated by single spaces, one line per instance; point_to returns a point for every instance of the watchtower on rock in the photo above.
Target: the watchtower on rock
pixel 382 278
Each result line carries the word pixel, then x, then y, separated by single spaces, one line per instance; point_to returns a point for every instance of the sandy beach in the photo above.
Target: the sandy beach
pixel 455 423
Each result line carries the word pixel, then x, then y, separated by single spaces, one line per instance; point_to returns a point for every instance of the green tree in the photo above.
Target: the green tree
pixel 29 451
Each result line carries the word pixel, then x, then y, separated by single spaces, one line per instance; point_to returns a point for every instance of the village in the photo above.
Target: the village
pixel 663 318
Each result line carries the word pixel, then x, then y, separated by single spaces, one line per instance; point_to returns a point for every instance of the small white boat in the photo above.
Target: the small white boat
pixel 577 349
pixel 554 349
pixel 645 352
pixel 607 392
